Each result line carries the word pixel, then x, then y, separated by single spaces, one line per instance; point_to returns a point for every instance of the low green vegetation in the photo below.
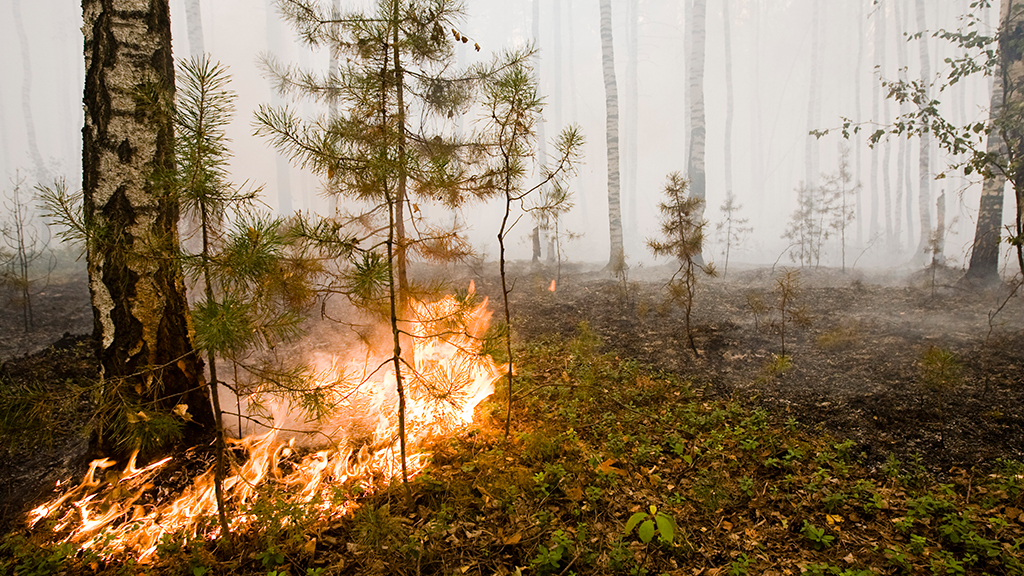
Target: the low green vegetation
pixel 613 469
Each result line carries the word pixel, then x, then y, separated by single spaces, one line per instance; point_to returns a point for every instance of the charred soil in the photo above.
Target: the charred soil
pixel 854 370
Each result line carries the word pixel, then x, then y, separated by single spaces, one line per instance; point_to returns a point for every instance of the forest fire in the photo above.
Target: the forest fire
pixel 115 511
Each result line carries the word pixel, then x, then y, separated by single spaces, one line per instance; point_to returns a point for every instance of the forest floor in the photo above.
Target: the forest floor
pixel 855 368
pixel 573 475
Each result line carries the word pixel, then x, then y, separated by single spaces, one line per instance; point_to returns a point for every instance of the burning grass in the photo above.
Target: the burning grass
pixel 598 440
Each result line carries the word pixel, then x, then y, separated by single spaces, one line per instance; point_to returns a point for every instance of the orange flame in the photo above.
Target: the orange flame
pixel 445 381
pixel 551 288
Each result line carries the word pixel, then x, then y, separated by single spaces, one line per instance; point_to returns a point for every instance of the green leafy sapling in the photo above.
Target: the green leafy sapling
pixel 651 522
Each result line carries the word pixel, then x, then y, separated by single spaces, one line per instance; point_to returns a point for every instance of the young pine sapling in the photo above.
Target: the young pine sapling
pixel 733 229
pixel 683 231
pixel 512 105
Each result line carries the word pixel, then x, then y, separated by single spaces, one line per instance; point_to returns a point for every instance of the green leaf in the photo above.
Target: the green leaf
pixel 646 531
pixel 666 527
pixel 634 520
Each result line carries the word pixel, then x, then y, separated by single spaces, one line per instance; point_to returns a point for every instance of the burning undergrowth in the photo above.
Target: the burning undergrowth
pixel 118 508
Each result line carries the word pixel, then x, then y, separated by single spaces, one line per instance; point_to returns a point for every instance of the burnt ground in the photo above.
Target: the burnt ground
pixel 855 369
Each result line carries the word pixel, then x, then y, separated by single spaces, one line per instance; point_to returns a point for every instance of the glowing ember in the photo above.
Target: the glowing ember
pixel 445 380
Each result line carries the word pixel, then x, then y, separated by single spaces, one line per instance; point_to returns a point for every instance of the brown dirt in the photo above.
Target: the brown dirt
pixel 855 370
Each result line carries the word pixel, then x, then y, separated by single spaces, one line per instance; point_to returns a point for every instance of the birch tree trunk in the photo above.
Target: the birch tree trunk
pixel 573 104
pixel 695 165
pixel 332 106
pixel 758 169
pixel 632 119
pixel 858 138
pixel 1011 40
pixel 811 161
pixel 687 72
pixel 135 281
pixel 887 145
pixel 878 47
pixel 924 163
pixel 39 172
pixel 194 25
pixel 902 173
pixel 275 45
pixel 616 258
pixel 727 153
pixel 984 264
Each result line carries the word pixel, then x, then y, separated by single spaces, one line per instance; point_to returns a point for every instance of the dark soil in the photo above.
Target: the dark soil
pixel 855 369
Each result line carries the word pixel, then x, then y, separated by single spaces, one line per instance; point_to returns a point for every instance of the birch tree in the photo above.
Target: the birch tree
pixel 149 371
pixel 616 258
pixel 194 26
pixel 924 157
pixel 695 164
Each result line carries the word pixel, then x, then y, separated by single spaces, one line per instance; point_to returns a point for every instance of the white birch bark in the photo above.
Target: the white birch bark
pixel 194 26
pixel 630 127
pixel 924 163
pixel 616 258
pixel 727 152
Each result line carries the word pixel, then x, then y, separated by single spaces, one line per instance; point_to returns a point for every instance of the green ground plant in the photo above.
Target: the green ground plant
pixel 593 435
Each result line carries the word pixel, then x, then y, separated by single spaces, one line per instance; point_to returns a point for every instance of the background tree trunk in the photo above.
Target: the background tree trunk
pixel 985 254
pixel 902 149
pixel 687 57
pixel 878 47
pixel 727 152
pixel 811 153
pixel 695 165
pixel 194 25
pixel 925 153
pixel 136 285
pixel 858 138
pixel 616 256
pixel 275 45
pixel 631 122
pixel 39 172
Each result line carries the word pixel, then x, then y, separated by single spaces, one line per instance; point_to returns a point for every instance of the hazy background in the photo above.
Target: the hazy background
pixel 41 112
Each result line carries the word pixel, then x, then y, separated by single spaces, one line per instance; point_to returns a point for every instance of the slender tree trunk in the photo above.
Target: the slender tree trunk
pixel 632 228
pixel 39 172
pixel 275 45
pixel 901 146
pixel 924 163
pixel 542 149
pixel 858 138
pixel 695 165
pixel 616 258
pixel 573 102
pixel 756 136
pixel 887 145
pixel 396 234
pixel 136 284
pixel 878 47
pixel 985 255
pixel 332 108
pixel 727 152
pixel 194 24
pixel 687 57
pixel 811 154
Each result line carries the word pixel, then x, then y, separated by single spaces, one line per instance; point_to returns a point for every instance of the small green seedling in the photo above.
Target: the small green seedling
pixel 652 522
pixel 817 535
